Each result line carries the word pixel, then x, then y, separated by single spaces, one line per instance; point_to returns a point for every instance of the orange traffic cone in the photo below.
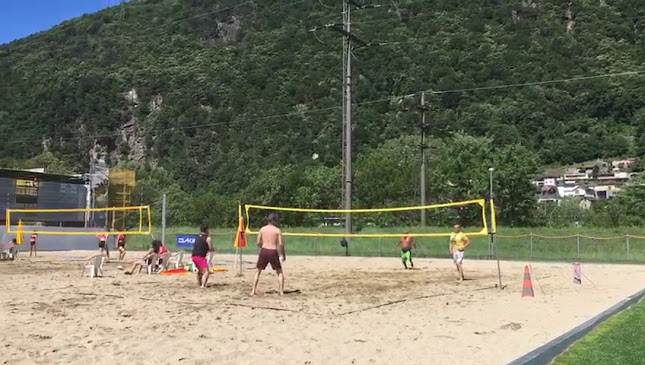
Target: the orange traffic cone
pixel 527 288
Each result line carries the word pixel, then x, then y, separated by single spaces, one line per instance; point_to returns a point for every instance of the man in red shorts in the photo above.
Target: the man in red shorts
pixel 269 239
pixel 203 246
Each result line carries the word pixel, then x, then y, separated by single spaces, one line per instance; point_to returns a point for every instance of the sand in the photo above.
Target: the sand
pixel 337 311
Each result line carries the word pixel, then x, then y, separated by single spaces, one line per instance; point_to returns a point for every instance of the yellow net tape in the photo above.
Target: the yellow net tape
pixel 44 231
pixel 480 202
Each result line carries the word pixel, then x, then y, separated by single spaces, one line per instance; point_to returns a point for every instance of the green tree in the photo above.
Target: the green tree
pixel 514 193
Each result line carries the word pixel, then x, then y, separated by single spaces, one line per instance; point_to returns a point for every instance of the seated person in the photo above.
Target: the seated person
pixel 162 249
pixel 145 260
pixel 8 251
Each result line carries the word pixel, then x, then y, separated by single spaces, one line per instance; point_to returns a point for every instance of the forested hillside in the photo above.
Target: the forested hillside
pixel 219 100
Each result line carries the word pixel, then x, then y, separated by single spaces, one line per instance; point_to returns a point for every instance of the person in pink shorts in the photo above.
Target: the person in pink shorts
pixel 203 246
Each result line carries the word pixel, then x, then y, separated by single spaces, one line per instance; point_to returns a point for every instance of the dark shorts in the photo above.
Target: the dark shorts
pixel 32 243
pixel 101 244
pixel 121 244
pixel 269 257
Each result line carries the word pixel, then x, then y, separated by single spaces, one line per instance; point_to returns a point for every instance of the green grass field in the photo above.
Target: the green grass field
pixel 513 243
pixel 617 341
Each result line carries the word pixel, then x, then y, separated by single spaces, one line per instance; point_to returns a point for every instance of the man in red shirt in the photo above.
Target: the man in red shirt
pixel 32 244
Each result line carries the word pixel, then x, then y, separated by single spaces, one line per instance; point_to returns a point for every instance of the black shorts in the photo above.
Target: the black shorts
pixel 121 244
pixel 269 257
pixel 102 244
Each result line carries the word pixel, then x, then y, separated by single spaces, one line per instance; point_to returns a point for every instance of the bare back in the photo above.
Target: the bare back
pixel 270 237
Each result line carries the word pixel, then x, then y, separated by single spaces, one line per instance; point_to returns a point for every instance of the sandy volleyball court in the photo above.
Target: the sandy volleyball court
pixel 338 311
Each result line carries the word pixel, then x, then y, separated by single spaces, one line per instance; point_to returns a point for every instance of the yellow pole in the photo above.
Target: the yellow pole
pixel 19 237
pixel 8 220
pixel 149 220
pixel 140 219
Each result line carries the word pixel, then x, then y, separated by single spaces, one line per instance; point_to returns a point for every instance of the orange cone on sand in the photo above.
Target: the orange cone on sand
pixel 527 288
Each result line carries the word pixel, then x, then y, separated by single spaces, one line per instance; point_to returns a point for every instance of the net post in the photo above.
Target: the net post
pixel 629 254
pixel 140 218
pixel 531 245
pixel 347 248
pixel 491 230
pixel 578 244
pixel 499 270
pixel 236 262
pixel 241 264
pixel 380 243
pixel 149 210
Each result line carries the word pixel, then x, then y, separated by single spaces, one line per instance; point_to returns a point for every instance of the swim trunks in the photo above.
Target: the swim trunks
pixel 406 255
pixel 269 257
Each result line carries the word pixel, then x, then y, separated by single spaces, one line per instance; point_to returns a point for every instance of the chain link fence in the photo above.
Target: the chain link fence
pixel 530 246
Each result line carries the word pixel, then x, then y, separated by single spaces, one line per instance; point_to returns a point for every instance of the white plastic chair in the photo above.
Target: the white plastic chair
pixel 150 264
pixel 177 259
pixel 95 266
pixel 163 262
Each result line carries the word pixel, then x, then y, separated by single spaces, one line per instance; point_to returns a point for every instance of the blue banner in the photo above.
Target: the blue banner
pixel 186 240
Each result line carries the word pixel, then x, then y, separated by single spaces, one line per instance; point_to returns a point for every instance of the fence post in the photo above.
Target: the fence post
pixel 490 247
pixel 578 243
pixel 380 252
pixel 629 254
pixel 531 244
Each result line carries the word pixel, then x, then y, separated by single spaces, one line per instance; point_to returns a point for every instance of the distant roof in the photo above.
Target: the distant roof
pixel 31 175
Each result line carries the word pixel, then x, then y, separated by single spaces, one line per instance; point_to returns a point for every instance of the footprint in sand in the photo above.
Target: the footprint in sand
pixel 511 326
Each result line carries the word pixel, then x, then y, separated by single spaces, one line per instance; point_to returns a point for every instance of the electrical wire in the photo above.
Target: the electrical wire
pixel 388 99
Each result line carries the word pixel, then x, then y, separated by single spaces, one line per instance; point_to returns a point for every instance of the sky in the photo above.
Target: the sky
pixel 20 18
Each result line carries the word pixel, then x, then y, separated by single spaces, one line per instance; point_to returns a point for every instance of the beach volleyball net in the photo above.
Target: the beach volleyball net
pixel 475 216
pixel 80 221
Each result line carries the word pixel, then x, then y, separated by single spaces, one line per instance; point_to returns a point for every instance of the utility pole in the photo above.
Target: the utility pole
pixel 164 204
pixel 422 185
pixel 345 29
pixel 347 26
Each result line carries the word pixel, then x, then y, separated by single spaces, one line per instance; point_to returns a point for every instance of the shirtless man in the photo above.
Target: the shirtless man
pixel 269 239
pixel 406 243
pixel 458 244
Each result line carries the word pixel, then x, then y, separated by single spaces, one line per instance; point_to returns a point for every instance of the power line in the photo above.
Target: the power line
pixel 505 86
pixel 369 102
pixel 180 128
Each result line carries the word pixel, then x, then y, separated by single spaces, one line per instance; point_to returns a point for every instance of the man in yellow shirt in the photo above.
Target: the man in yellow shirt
pixel 458 244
